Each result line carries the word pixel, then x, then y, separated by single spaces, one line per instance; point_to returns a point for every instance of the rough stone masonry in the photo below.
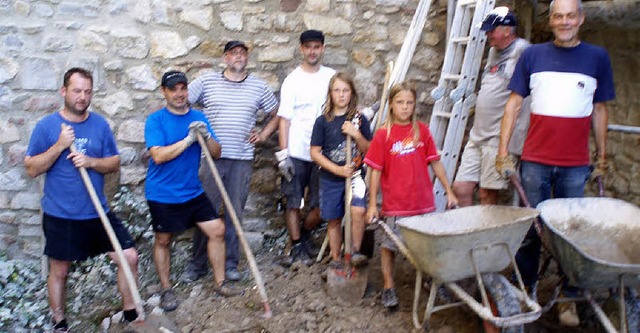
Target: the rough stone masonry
pixel 128 44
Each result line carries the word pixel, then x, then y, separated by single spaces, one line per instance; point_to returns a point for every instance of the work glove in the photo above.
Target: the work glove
pixel 370 112
pixel 200 127
pixel 506 165
pixel 285 164
pixel 600 168
pixel 358 188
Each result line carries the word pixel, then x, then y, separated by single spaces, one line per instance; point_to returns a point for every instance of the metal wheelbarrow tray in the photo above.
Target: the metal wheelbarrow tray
pixel 466 242
pixel 596 241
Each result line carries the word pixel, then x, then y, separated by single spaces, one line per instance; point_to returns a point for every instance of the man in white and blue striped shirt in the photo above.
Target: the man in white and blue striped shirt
pixel 231 101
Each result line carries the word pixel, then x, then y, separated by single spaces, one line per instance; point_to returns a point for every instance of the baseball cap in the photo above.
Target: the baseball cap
pixel 497 17
pixel 312 36
pixel 234 43
pixel 171 78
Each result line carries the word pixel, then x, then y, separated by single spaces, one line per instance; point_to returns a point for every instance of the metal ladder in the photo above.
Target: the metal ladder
pixel 455 94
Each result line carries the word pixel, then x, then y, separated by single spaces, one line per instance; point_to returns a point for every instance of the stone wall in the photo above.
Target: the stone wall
pixel 128 44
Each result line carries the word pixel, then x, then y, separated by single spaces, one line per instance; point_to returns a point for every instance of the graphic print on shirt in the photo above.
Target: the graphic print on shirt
pixel 82 144
pixel 338 155
pixel 406 146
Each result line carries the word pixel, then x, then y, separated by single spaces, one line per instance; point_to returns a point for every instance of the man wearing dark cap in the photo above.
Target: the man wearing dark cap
pixel 477 166
pixel 302 95
pixel 174 193
pixel 232 100
pixel 569 82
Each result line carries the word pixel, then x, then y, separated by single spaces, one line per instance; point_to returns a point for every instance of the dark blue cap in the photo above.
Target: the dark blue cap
pixel 497 17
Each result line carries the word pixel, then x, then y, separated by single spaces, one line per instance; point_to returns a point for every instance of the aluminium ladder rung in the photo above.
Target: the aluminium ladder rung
pixel 451 77
pixel 470 3
pixel 442 114
pixel 461 40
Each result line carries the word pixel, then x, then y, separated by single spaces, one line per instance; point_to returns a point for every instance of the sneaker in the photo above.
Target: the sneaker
pixel 336 264
pixel 191 275
pixel 309 248
pixel 299 253
pixel 168 300
pixel 226 290
pixel 61 326
pixel 359 260
pixel 568 314
pixel 232 274
pixel 389 298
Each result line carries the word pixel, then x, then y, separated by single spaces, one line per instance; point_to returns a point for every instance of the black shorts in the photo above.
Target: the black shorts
pixel 307 174
pixel 74 240
pixel 180 217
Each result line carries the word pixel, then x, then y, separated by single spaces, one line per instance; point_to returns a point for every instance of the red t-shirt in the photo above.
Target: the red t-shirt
pixel 405 182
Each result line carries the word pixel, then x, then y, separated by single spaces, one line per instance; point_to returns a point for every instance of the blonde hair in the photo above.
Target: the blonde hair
pixel 391 119
pixel 352 108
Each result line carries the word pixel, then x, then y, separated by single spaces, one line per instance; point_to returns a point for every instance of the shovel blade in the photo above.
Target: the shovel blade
pixel 347 285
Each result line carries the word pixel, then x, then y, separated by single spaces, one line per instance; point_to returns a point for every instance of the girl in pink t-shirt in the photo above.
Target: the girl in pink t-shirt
pixel 399 157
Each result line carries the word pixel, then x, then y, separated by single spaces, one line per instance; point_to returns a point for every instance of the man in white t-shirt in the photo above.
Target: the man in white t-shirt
pixel 302 95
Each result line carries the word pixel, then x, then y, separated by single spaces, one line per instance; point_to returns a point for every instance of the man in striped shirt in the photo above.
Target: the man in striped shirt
pixel 231 101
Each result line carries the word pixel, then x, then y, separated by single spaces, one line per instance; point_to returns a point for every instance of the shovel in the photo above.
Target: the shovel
pixel 347 284
pixel 141 325
pixel 236 223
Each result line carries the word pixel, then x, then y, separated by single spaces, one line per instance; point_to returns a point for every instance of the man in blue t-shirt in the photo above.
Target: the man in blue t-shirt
pixel 72 227
pixel 569 82
pixel 174 193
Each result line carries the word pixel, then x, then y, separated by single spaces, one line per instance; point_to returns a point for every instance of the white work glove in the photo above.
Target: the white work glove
pixel 370 112
pixel 200 127
pixel 285 164
pixel 358 188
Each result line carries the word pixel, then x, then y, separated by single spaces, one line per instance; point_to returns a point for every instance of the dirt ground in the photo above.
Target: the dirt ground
pixel 300 303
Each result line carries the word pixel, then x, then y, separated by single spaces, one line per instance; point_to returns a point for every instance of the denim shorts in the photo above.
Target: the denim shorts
pixel 332 199
pixel 182 216
pixel 75 240
pixel 306 175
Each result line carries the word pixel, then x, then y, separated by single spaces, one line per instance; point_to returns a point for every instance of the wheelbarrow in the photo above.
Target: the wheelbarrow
pixel 461 243
pixel 596 242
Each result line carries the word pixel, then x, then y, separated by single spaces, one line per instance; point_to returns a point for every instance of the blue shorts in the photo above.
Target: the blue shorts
pixel 75 240
pixel 182 216
pixel 332 199
pixel 306 175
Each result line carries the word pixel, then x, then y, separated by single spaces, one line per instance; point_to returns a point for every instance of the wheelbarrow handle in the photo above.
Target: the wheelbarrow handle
pixel 525 201
pixel 403 248
pixel 600 186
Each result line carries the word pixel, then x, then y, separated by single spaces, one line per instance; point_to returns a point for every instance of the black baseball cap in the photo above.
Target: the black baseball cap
pixel 497 17
pixel 171 78
pixel 235 43
pixel 312 36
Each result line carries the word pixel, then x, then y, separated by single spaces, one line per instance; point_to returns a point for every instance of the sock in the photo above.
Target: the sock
pixel 297 241
pixel 130 315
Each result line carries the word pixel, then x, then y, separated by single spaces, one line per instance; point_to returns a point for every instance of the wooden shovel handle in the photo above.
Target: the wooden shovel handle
pixel 124 264
pixel 236 223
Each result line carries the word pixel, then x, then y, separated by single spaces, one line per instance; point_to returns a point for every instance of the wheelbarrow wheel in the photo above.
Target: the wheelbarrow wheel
pixel 632 308
pixel 503 302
